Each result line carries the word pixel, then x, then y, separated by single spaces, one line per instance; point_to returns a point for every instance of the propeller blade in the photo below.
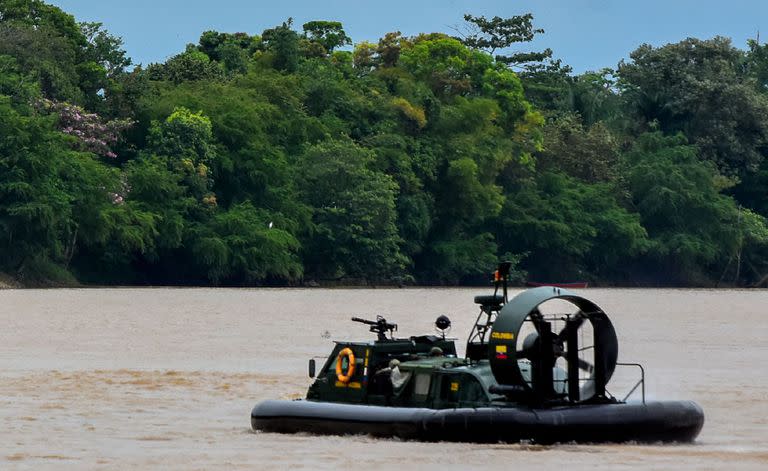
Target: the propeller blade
pixel 586 366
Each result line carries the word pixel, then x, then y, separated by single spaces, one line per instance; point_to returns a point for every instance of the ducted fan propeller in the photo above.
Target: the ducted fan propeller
pixel 574 363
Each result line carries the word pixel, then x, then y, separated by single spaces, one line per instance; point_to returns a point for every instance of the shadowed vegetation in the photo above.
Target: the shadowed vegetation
pixel 295 155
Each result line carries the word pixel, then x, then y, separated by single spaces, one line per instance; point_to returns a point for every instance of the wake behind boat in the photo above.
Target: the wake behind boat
pixel 528 374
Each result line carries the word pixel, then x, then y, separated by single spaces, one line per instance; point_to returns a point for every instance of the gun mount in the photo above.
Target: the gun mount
pixel 380 327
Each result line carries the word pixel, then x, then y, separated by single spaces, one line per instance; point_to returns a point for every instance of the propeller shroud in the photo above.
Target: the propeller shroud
pixel 543 347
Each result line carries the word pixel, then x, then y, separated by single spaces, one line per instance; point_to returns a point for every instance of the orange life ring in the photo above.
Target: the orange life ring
pixel 341 375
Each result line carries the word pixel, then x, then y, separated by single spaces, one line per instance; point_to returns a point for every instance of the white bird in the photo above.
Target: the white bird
pixel 271 224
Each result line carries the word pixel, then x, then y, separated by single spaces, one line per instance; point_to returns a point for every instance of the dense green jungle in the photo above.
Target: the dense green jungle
pixel 298 157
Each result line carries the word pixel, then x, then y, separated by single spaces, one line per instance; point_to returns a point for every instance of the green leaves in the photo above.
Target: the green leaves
pixel 273 158
pixel 445 64
pixel 70 61
pixel 500 33
pixel 462 258
pixel 244 245
pixel 189 66
pixel 569 228
pixel 47 194
pixel 590 154
pixel 283 43
pixel 329 34
pixel 690 224
pixel 184 135
pixel 698 87
pixel 353 233
pixel 105 49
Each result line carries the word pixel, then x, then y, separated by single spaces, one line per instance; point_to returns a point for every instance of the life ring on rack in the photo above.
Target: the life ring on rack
pixel 341 375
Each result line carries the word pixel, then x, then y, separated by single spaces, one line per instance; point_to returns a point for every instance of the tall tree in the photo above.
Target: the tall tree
pixel 499 33
pixel 569 229
pixel 588 153
pixel 697 87
pixel 693 228
pixel 52 199
pixel 283 42
pixel 353 231
pixel 329 34
pixel 48 44
pixel 105 49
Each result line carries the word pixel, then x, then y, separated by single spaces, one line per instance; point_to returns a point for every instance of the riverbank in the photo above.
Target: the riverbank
pixel 8 282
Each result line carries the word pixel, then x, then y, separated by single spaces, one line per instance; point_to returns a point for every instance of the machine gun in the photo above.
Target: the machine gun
pixel 379 327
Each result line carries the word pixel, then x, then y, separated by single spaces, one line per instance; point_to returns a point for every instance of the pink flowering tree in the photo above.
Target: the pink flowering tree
pixel 92 132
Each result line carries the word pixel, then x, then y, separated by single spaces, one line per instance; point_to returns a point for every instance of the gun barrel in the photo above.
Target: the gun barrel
pixel 363 321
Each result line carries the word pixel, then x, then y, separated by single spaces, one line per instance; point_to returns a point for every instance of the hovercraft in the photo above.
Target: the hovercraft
pixel 527 375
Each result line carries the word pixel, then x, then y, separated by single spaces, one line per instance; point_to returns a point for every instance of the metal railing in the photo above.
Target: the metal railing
pixel 640 383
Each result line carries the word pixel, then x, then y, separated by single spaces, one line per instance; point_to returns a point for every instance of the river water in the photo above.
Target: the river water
pixel 166 378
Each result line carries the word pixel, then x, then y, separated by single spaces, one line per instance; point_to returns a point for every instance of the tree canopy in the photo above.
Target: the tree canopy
pixel 292 156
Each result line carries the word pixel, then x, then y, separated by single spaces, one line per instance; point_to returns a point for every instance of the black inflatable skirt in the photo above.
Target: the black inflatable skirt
pixel 660 421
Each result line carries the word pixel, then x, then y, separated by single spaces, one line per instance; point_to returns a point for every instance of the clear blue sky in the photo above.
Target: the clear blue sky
pixel 587 34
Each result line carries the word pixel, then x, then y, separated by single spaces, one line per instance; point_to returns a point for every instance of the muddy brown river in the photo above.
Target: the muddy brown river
pixel 166 378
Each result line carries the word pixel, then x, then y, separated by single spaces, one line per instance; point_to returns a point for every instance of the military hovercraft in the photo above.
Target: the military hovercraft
pixel 527 375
